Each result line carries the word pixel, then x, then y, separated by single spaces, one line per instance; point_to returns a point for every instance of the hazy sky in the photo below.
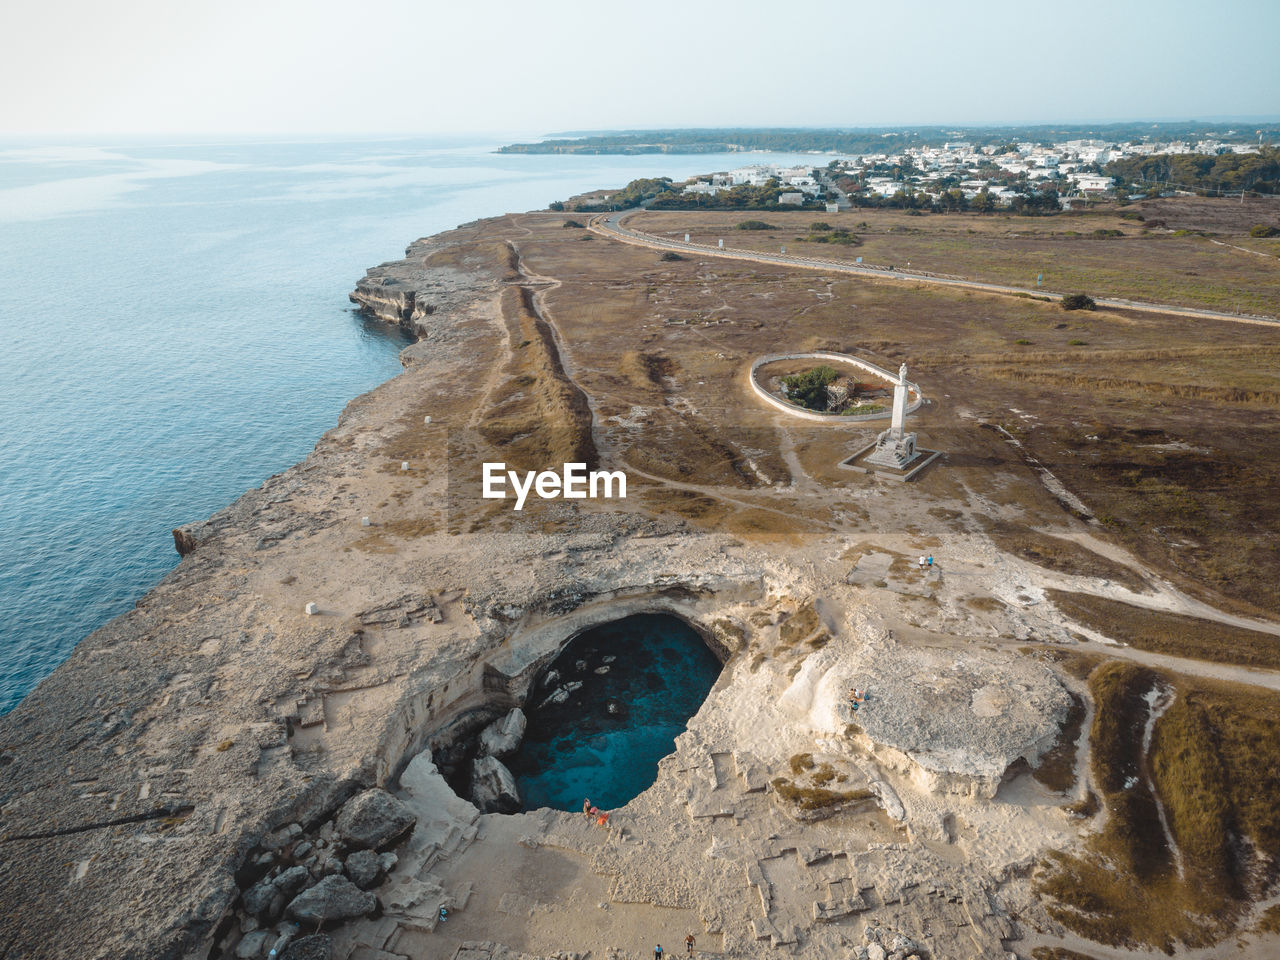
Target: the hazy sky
pixel 298 66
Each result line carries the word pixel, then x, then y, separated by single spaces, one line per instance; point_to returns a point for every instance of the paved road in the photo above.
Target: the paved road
pixel 610 225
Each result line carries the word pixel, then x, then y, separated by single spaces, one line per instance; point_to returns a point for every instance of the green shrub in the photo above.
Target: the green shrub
pixel 756 225
pixel 1079 301
pixel 1262 230
pixel 809 389
pixel 819 225
pixel 572 224
pixel 671 255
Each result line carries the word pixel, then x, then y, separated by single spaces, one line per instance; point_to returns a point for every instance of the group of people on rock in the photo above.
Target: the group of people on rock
pixel 857 697
pixel 689 943
pixel 592 812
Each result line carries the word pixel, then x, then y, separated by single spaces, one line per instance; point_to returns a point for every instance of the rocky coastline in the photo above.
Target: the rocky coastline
pixel 221 773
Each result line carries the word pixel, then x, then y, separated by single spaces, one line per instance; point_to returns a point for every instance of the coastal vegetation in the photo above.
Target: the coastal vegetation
pixel 1078 301
pixel 1203 173
pixel 839 236
pixel 662 194
pixel 809 389
pixel 869 139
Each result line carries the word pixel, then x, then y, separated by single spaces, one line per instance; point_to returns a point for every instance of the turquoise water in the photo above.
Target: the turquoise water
pixel 605 741
pixel 175 329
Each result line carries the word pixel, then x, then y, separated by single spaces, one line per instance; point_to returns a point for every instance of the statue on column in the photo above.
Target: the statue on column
pixel 895 447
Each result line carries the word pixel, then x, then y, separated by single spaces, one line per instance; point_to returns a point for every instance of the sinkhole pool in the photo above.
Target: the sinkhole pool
pixel 641 679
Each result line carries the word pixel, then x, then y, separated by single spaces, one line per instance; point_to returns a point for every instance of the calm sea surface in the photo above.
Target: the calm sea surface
pixel 174 328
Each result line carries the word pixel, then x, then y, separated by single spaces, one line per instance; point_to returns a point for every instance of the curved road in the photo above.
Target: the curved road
pixel 610 225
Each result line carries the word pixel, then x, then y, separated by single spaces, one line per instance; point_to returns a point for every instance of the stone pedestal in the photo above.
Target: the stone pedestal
pixel 896 452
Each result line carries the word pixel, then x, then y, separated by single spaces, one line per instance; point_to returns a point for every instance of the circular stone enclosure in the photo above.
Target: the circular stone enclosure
pixel 768 368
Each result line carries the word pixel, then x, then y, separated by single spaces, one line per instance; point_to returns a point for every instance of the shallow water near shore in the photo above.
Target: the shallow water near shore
pixel 176 329
pixel 641 679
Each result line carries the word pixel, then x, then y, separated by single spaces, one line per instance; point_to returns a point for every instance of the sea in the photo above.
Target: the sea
pixel 175 329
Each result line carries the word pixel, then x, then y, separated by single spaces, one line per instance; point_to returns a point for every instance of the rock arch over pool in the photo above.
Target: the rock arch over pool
pixel 608 708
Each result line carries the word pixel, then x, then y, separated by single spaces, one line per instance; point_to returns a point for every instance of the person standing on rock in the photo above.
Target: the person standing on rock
pixel 586 808
pixel 657 952
pixel 922 564
pixel 688 944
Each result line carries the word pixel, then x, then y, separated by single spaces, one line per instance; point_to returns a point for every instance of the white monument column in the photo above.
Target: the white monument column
pixel 898 425
pixel 895 447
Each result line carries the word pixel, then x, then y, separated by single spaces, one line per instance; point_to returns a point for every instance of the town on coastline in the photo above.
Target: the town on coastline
pixel 1025 177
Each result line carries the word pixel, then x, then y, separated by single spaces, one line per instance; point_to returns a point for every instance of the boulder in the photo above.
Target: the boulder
pixel 292 880
pixel 364 867
pixel 333 898
pixel 900 943
pixel 315 947
pixel 328 867
pixel 493 788
pixel 373 819
pixel 561 694
pixel 502 737
pixel 253 945
pixel 257 899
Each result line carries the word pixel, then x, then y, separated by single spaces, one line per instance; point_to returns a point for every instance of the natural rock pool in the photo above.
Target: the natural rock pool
pixel 608 709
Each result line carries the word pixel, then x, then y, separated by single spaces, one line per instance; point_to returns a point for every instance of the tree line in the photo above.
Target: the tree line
pixel 1203 173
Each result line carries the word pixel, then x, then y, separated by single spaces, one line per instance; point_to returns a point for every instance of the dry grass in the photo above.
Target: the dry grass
pixel 1168 479
pixel 538 416
pixel 1164 396
pixel 1215 764
pixel 1119 890
pixel 1078 665
pixel 1170 633
pixel 1123 386
pixel 801 762
pixel 1057 768
pixel 1064 556
pixel 1140 265
pixel 810 799
pixel 1269 922
pixel 490 255
pixel 803 623
pixel 1059 953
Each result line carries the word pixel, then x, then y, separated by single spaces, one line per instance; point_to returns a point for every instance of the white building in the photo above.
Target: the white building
pixel 884 186
pixel 1093 183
